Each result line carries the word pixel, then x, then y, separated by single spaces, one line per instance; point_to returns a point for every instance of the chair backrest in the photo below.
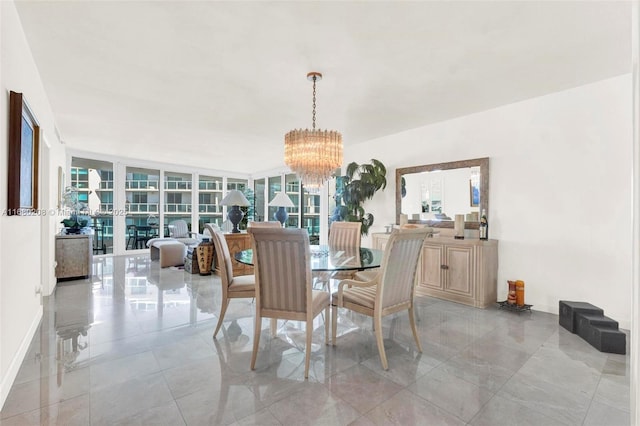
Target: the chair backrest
pixel 281 261
pixel 205 231
pixel 399 266
pixel 223 256
pixel 179 229
pixel 270 224
pixel 132 230
pixel 344 234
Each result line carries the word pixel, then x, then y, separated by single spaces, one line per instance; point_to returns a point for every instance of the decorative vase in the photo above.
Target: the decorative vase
pixel 205 257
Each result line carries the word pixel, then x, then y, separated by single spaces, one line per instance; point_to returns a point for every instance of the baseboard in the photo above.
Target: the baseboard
pixel 16 362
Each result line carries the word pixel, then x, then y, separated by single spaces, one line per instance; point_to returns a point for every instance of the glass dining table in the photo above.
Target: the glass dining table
pixel 328 259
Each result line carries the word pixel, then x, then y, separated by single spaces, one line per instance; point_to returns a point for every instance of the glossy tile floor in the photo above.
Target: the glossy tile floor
pixel 133 346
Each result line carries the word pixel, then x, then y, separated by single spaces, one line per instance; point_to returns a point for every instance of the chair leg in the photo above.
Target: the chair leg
pixel 380 341
pixel 256 340
pixel 334 324
pixel 326 325
pixel 307 356
pixel 274 327
pixel 412 321
pixel 223 310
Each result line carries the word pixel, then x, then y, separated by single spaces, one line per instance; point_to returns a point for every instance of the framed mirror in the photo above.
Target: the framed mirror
pixel 433 194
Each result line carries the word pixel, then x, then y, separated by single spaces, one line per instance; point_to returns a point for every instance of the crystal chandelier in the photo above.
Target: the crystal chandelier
pixel 313 154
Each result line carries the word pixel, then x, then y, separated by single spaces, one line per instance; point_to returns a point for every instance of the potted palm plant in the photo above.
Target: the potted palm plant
pixel 359 183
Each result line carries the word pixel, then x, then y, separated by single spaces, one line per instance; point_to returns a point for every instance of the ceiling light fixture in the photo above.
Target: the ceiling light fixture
pixel 313 154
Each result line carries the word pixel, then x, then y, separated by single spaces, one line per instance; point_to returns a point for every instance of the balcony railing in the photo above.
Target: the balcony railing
pixel 177 208
pixel 205 185
pixel 178 185
pixel 142 208
pixel 148 185
pixel 210 208
pixel 106 184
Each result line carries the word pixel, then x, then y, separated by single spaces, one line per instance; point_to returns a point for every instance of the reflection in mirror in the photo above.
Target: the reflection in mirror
pixel 435 193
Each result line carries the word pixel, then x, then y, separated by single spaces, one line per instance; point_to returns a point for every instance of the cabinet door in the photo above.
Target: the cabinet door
pixel 431 267
pixel 458 276
pixel 72 257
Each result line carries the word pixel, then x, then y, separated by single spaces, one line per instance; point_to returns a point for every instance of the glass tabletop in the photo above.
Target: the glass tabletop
pixel 325 258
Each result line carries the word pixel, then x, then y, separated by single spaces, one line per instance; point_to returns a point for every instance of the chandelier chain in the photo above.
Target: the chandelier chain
pixel 314 102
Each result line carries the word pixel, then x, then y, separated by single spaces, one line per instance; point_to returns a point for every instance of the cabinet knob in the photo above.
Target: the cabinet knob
pixel 444 267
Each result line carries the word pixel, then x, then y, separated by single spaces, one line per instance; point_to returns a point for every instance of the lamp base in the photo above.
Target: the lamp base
pixel 235 216
pixel 281 215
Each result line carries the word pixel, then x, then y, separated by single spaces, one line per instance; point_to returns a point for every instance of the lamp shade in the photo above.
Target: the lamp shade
pixel 235 198
pixel 281 200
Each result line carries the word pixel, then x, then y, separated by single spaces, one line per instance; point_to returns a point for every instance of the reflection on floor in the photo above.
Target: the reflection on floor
pixel 133 346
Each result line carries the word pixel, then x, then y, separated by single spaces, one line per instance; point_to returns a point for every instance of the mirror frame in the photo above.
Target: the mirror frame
pixel 484 188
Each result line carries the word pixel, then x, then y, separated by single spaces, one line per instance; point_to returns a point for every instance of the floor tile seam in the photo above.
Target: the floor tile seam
pixel 562 388
pixel 155 404
pixel 175 401
pixel 257 396
pixel 594 398
pixel 380 402
pixel 513 373
pixel 19 381
pixel 564 391
pixel 268 408
pixel 95 360
pixel 140 377
pixel 570 363
pixel 541 413
pixel 493 393
pixel 434 404
pixel 45 406
pixel 380 373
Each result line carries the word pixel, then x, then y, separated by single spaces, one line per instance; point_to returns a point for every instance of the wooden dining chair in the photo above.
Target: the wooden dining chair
pixel 390 291
pixel 232 287
pixel 344 234
pixel 282 264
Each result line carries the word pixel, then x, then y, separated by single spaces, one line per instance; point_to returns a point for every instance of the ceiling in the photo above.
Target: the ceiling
pixel 218 84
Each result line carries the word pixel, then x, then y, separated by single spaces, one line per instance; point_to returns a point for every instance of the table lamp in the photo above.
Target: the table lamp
pixel 281 200
pixel 235 199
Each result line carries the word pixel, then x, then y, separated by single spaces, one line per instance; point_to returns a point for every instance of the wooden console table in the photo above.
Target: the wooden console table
pixel 463 271
pixel 237 243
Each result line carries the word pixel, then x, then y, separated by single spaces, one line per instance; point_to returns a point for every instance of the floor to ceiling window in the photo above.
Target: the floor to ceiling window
pixel 209 198
pixel 311 215
pixel 292 188
pixel 177 198
pixel 142 193
pixel 259 201
pixel 94 182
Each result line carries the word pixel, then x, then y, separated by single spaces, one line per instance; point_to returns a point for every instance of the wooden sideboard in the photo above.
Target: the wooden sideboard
pixel 236 243
pixel 463 271
pixel 74 255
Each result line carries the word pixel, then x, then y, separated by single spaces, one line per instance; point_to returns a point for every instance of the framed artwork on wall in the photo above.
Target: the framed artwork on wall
pixel 24 139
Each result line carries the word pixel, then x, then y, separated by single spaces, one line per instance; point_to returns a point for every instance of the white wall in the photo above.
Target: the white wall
pixel 560 189
pixel 20 237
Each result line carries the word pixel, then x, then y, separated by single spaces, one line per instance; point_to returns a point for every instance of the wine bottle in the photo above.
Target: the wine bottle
pixel 484 226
